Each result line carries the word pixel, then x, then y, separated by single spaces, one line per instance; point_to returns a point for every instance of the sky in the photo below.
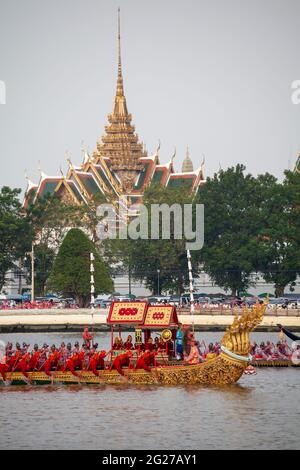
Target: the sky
pixel 214 75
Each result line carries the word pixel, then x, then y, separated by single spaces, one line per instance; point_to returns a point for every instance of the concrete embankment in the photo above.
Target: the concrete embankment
pixel 75 320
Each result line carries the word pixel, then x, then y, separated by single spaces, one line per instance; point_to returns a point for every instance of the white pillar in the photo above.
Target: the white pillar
pixel 92 282
pixel 32 272
pixel 191 282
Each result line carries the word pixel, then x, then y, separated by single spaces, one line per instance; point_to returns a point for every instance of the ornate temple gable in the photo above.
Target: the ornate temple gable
pixel 162 173
pixel 120 142
pixel 30 193
pixel 72 175
pixel 88 183
pixel 101 178
pixel 146 174
pixel 103 173
pixel 47 185
pixel 199 180
pixel 69 193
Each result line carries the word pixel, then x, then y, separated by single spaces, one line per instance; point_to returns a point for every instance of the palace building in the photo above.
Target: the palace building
pixel 119 166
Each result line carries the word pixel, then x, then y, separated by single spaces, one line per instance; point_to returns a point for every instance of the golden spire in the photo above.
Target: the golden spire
pixel 120 100
pixel 120 77
pixel 120 143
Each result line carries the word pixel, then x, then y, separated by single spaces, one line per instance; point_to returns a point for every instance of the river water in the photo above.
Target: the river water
pixel 261 411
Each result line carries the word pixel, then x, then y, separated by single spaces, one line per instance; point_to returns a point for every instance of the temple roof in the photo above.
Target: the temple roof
pixel 120 165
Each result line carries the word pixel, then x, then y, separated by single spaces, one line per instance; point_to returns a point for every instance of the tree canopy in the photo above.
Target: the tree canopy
pixel 160 263
pixel 16 234
pixel 70 275
pixel 280 243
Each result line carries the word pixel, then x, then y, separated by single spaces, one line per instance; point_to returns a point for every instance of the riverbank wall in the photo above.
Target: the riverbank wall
pixel 75 320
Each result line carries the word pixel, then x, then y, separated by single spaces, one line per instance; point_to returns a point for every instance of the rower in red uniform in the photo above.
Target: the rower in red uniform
pixel 71 363
pixel 14 358
pixel 64 354
pixel 43 356
pixel 96 361
pixel 4 367
pixel 79 359
pixel 4 364
pixel 34 359
pixel 61 361
pixel 123 360
pixel 146 360
pixel 52 361
pixel 22 365
pixel 74 360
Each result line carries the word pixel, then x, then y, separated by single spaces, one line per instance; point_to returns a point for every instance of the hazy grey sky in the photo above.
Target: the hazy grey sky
pixel 212 74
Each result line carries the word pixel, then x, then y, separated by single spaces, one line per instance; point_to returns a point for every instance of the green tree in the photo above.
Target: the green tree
pixel 233 221
pixel 51 219
pixel 43 261
pixel 280 238
pixel 15 232
pixel 70 275
pixel 143 258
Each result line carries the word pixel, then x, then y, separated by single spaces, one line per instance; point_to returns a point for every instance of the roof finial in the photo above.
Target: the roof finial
pixel 120 90
pixel 203 161
pixel 30 184
pixel 62 173
pixel 85 151
pixel 68 158
pixel 43 175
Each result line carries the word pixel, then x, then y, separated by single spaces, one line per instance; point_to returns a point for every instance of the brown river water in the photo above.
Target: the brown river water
pixel 261 411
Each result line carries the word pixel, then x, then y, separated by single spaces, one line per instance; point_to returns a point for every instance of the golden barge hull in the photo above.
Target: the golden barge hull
pixel 216 372
pixel 219 371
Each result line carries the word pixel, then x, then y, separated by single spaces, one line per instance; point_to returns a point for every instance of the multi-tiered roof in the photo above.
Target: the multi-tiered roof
pixel 118 166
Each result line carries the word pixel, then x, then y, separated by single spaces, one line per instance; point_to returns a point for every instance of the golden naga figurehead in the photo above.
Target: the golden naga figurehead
pixel 236 339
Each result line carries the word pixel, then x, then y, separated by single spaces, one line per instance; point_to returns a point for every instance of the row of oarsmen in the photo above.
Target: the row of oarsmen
pixel 67 358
